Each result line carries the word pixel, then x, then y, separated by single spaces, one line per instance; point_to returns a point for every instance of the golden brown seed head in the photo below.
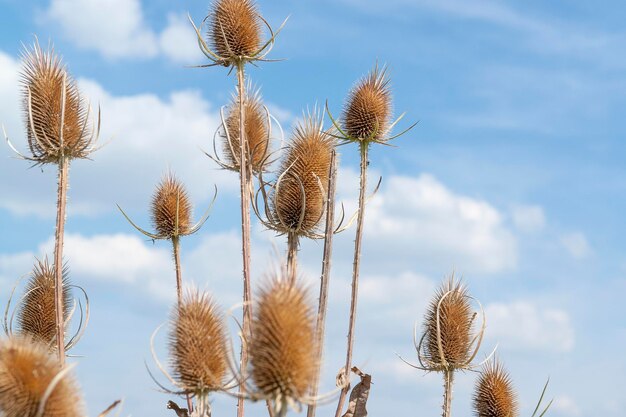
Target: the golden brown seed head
pixel 235 29
pixel 26 371
pixel 455 324
pixel 256 128
pixel 198 344
pixel 36 315
pixel 368 110
pixel 300 193
pixel 494 395
pixel 50 136
pixel 282 348
pixel 171 208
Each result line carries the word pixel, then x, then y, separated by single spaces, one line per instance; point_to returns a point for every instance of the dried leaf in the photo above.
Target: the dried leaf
pixel 180 412
pixel 359 395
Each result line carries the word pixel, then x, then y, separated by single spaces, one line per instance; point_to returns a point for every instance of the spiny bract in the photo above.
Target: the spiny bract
pixel 26 371
pixel 494 395
pixel 171 208
pixel 198 344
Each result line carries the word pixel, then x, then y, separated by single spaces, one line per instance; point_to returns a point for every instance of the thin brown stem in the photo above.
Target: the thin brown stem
pixel 448 379
pixel 179 278
pixel 364 147
pixel 320 325
pixel 244 176
pixel 64 164
pixel 292 256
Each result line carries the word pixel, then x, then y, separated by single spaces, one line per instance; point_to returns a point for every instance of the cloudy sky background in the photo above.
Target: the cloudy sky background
pixel 514 178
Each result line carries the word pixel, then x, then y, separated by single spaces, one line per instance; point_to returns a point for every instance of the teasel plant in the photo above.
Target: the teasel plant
pixel 60 127
pixel 450 341
pixel 234 39
pixel 295 203
pixel 366 120
pixel 35 313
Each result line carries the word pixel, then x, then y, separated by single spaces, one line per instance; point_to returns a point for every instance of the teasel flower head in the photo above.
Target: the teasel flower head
pixel 235 31
pixel 367 112
pixel 58 120
pixel 197 342
pixel 171 211
pixel 295 202
pixel 282 345
pixel 36 315
pixel 32 383
pixel 494 395
pixel 257 129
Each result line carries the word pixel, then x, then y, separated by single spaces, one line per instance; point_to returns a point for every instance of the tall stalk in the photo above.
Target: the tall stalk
pixel 292 255
pixel 320 325
pixel 448 379
pixel 245 178
pixel 58 255
pixel 179 278
pixel 364 147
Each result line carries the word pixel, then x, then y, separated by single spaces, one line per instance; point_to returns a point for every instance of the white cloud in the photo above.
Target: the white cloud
pixel 576 245
pixel 529 219
pixel 524 326
pixel 566 406
pixel 178 40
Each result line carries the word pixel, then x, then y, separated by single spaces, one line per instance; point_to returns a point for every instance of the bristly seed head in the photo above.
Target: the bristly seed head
pixel 494 395
pixel 282 348
pixel 36 315
pixel 198 344
pixel 26 371
pixel 235 29
pixel 453 307
pixel 256 129
pixel 367 112
pixel 51 134
pixel 171 208
pixel 299 196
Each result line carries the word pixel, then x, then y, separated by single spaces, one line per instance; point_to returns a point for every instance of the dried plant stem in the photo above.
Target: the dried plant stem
pixel 245 178
pixel 179 278
pixel 448 379
pixel 320 325
pixel 364 147
pixel 64 164
pixel 292 255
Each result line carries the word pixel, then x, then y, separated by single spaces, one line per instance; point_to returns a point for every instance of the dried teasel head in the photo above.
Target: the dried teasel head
pixel 367 113
pixel 235 29
pixel 448 337
pixel 36 315
pixel 299 195
pixel 32 381
pixel 171 208
pixel 56 116
pixel 494 395
pixel 198 351
pixel 282 346
pixel 256 129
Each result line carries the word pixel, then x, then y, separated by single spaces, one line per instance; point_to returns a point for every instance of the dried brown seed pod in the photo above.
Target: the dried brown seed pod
pixel 27 370
pixel 494 395
pixel 235 28
pixel 367 113
pixel 36 315
pixel 197 344
pixel 299 195
pixel 452 309
pixel 256 128
pixel 55 127
pixel 282 347
pixel 171 208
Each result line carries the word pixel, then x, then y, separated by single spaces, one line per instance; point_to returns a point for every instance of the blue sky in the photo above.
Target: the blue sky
pixel 515 178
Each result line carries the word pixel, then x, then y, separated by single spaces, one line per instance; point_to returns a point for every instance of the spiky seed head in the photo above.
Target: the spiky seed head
pixel 300 193
pixel 367 112
pixel 456 316
pixel 282 346
pixel 171 208
pixel 235 29
pixel 256 128
pixel 197 343
pixel 26 371
pixel 494 395
pixel 44 78
pixel 36 315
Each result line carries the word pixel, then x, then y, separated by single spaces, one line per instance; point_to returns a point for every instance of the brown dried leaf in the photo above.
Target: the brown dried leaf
pixel 359 395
